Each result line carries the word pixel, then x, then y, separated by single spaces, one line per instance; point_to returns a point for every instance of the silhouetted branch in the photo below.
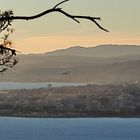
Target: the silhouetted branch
pixel 75 17
pixel 55 9
pixel 60 3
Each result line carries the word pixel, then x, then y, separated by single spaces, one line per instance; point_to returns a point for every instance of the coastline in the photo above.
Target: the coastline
pixel 90 101
pixel 67 117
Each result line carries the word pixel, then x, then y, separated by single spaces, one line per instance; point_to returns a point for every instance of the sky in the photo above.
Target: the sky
pixel 55 31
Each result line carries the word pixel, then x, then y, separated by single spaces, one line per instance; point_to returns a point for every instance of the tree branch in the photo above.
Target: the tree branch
pixel 60 3
pixel 55 9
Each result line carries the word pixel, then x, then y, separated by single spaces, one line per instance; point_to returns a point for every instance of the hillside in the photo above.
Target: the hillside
pixel 105 100
pixel 120 66
pixel 98 51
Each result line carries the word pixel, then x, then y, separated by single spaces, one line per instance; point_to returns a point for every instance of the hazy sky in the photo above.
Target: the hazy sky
pixel 55 31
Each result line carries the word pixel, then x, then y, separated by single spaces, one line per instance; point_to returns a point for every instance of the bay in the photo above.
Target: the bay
pixel 69 128
pixel 16 85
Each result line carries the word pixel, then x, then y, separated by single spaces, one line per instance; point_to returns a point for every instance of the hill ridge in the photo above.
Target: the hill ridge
pixel 107 50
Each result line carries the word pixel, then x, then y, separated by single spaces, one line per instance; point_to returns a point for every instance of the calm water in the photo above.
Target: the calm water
pixel 69 129
pixel 15 85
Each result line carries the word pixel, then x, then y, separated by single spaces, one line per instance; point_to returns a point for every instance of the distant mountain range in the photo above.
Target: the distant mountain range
pixel 99 51
pixel 104 63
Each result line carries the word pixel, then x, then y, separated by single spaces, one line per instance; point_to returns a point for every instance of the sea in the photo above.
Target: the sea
pixel 22 85
pixel 14 128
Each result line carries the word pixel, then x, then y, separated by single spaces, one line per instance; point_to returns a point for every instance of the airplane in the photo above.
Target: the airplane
pixel 65 73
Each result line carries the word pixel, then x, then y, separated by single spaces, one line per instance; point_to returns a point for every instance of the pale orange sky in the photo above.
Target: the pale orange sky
pixel 54 42
pixel 55 31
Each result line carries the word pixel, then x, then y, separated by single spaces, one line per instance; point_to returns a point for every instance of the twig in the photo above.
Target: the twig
pixel 60 3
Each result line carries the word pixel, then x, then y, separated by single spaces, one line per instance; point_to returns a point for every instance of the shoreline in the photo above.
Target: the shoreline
pixel 73 102
pixel 68 117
